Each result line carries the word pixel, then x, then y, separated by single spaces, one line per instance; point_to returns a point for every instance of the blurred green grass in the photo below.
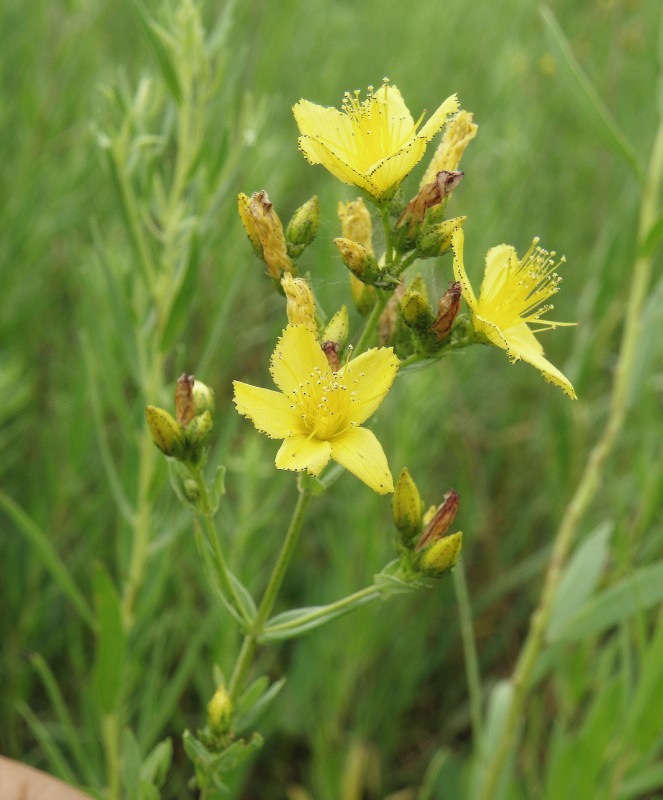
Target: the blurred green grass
pixel 510 444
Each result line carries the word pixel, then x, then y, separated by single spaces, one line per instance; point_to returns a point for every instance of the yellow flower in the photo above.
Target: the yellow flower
pixel 509 308
pixel 372 143
pixel 318 412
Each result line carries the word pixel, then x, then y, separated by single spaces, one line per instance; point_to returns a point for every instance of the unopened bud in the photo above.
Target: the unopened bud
pixel 459 133
pixel 331 351
pixel 447 311
pixel 430 199
pixel 416 312
pixel 303 227
pixel 198 430
pixel 442 555
pixel 203 397
pixel 337 328
pixel 441 520
pixel 406 507
pixel 300 305
pixel 220 712
pixel 166 432
pixel 436 240
pixel 265 231
pixel 356 223
pixel 358 260
pixel 388 321
pixel 185 407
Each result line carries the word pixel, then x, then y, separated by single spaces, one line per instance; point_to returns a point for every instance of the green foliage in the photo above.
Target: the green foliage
pixel 128 135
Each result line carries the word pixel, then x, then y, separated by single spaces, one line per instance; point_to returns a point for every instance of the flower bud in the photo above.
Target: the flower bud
pixel 358 259
pixel 303 227
pixel 459 133
pixel 185 407
pixel 416 312
pixel 442 555
pixel 430 198
pixel 447 311
pixel 436 240
pixel 220 712
pixel 198 431
pixel 356 223
pixel 406 507
pixel 331 351
pixel 337 328
pixel 440 522
pixel 388 322
pixel 203 397
pixel 265 231
pixel 166 432
pixel 300 305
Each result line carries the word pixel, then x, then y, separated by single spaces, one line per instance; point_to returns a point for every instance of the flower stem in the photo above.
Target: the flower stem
pixel 371 322
pixel 247 652
pixel 469 646
pixel 591 476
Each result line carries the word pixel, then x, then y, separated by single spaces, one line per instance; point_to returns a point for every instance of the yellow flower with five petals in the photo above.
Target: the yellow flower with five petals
pixel 373 143
pixel 318 411
pixel 508 311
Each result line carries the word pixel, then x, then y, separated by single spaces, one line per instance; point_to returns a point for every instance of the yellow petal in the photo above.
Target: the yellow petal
pixel 359 451
pixel 317 152
pixel 271 412
pixel 368 378
pixel 312 119
pixel 301 453
pixel 523 344
pixel 399 115
pixel 437 120
pixel 390 171
pixel 296 357
pixel 497 262
pixel 458 244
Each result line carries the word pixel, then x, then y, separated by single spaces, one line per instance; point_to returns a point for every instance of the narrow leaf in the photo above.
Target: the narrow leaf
pixel 109 658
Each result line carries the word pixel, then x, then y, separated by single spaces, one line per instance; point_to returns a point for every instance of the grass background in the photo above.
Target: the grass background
pixel 384 688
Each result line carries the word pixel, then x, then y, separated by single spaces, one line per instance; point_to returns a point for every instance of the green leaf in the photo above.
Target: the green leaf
pixel 109 657
pixel 390 581
pixel 252 705
pixel 499 704
pixel 579 579
pixel 642 728
pixel 157 764
pixel 164 47
pixel 584 96
pixel 636 593
pixel 183 300
pixel 298 621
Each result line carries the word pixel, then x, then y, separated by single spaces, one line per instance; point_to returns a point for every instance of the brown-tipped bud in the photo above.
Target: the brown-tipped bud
pixel 406 508
pixel 265 231
pixel 220 712
pixel 337 328
pixel 167 434
pixel 331 351
pixel 303 227
pixel 356 223
pixel 436 240
pixel 431 196
pixel 300 305
pixel 442 555
pixel 185 407
pixel 416 312
pixel 441 520
pixel 447 311
pixel 459 133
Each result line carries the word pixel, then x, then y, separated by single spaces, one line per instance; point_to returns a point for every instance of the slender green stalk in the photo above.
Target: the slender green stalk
pixel 248 649
pixel 590 479
pixel 469 647
pixel 111 737
pixel 371 323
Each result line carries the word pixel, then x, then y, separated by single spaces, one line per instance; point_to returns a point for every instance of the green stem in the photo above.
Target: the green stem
pixel 383 211
pixel 111 737
pixel 591 476
pixel 469 646
pixel 248 649
pixel 371 322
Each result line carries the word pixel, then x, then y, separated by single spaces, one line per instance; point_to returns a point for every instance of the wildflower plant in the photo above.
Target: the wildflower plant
pixel 331 374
